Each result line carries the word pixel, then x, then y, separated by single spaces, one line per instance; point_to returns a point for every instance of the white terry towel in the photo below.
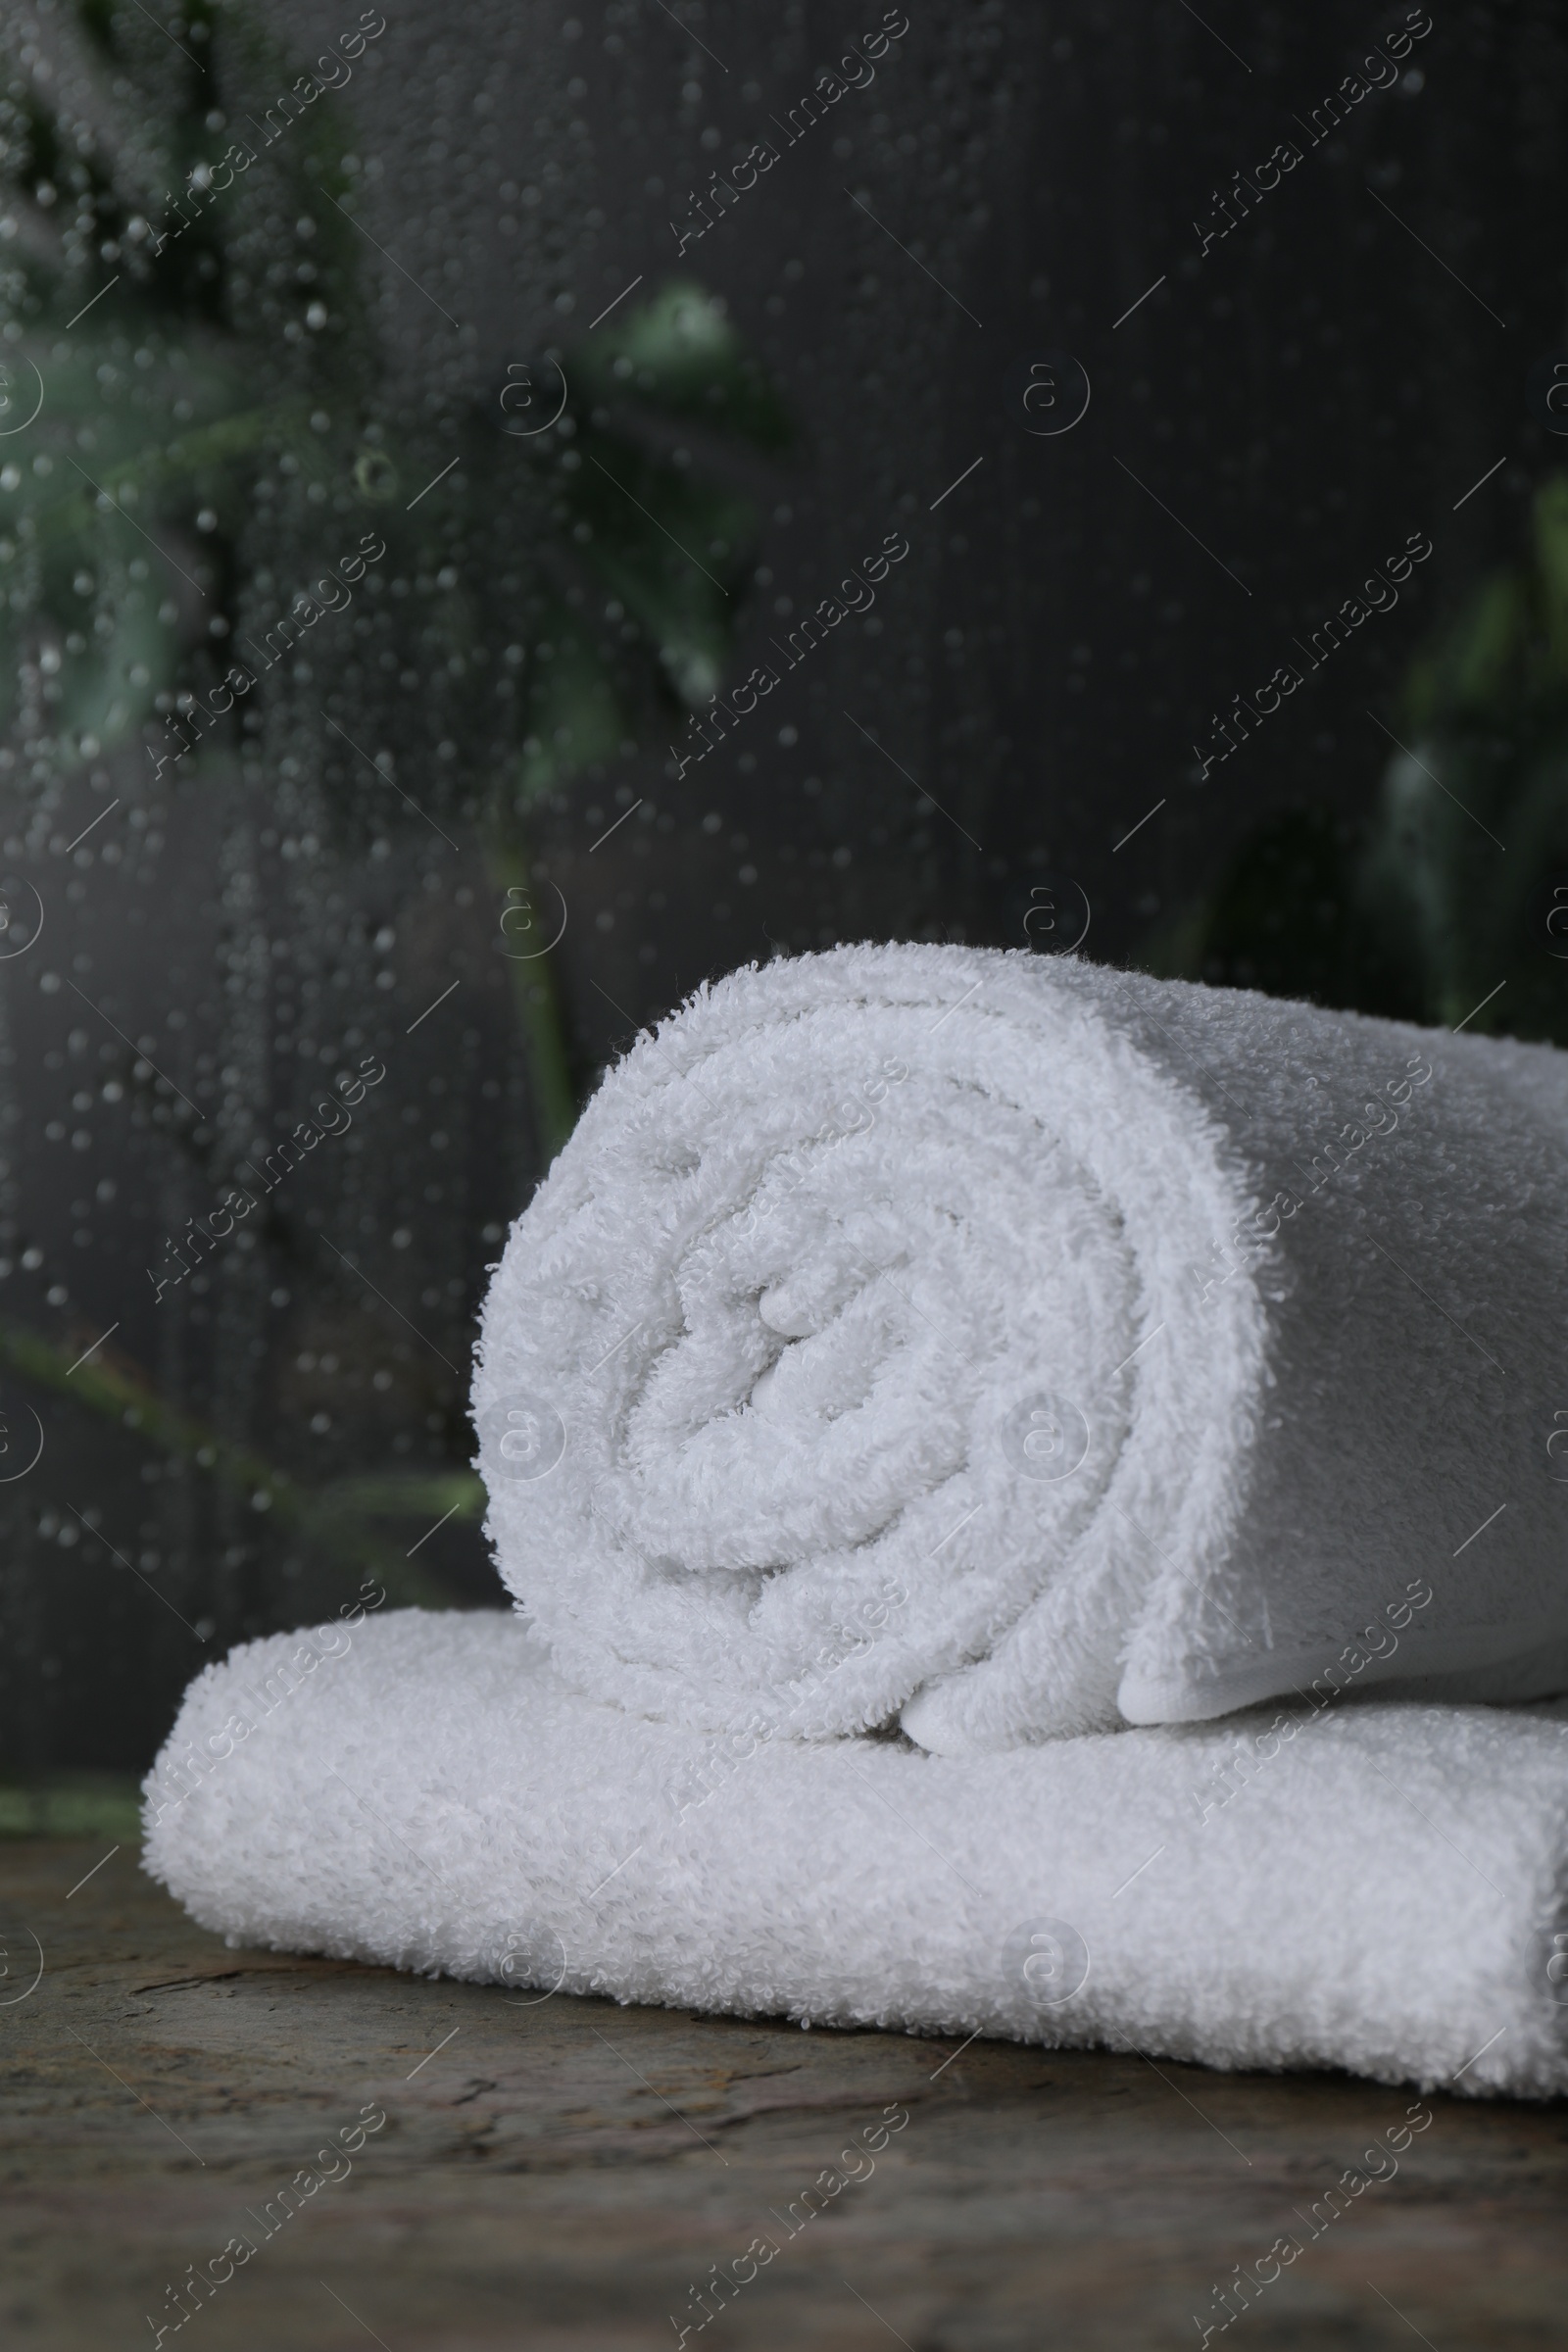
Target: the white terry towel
pixel 1378 1888
pixel 1001 1347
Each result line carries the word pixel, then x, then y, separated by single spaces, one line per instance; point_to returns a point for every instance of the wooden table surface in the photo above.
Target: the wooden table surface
pixel 568 2173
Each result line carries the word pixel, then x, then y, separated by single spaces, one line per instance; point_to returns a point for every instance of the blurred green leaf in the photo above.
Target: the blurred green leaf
pixel 574 713
pixel 678 354
pixel 1441 903
pixel 681 577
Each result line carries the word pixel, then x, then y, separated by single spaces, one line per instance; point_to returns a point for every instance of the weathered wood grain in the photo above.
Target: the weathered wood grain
pixel 565 2172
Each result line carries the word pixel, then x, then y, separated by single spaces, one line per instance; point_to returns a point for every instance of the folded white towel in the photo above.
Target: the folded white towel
pixel 1380 1887
pixel 1003 1346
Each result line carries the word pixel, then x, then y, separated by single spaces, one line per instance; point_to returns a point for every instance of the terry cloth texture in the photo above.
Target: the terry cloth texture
pixel 1000 1347
pixel 1378 1886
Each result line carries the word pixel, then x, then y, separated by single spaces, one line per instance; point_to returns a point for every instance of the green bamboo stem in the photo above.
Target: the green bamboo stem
pixel 536 996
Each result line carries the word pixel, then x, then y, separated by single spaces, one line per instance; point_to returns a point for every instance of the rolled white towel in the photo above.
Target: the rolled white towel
pixel 1377 1887
pixel 1006 1346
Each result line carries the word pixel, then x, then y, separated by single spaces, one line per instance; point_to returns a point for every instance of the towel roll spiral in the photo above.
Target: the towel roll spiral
pixel 989 1346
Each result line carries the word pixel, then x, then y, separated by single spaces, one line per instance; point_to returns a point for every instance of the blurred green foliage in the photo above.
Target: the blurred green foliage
pixel 167 372
pixel 77 1804
pixel 196 404
pixel 564 567
pixel 1455 889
